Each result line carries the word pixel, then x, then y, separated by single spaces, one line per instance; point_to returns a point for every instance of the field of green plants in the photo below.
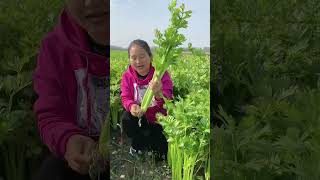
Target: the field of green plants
pixel 266 97
pixel 22 26
pixel 187 126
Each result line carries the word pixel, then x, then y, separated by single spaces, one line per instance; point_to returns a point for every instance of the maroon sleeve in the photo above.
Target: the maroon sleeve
pixel 127 94
pixel 53 115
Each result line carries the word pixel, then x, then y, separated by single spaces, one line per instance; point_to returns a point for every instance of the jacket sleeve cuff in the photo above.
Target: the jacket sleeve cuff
pixel 129 106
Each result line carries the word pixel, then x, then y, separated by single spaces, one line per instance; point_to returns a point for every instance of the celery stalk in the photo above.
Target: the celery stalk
pixel 149 94
pixel 168 43
pixel 105 138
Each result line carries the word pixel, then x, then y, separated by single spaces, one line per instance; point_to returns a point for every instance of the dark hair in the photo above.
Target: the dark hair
pixel 142 44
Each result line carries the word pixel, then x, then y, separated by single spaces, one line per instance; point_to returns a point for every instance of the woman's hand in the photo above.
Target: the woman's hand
pixel 135 110
pixel 78 153
pixel 156 87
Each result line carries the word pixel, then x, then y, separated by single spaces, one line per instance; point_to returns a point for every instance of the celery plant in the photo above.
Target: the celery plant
pixel 100 155
pixel 187 128
pixel 105 138
pixel 168 43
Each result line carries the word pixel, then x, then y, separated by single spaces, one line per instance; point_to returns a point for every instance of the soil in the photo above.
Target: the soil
pixel 125 166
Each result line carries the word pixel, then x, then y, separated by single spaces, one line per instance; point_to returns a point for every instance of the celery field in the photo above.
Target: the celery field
pixel 187 127
pixel 266 65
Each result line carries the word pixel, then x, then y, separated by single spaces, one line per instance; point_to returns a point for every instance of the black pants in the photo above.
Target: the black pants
pixel 147 137
pixel 54 168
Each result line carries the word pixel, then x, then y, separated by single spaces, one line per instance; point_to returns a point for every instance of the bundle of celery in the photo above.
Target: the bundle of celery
pixel 168 43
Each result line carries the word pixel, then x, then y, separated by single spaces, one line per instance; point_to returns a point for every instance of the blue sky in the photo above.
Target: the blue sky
pixel 138 19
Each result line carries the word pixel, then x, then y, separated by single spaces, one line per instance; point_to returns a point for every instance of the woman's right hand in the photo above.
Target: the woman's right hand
pixel 78 153
pixel 135 110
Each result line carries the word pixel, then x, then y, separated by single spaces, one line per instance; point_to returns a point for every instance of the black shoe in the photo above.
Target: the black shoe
pixel 133 152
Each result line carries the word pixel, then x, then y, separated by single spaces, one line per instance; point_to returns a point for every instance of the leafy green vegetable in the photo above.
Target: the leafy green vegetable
pixel 187 127
pixel 168 43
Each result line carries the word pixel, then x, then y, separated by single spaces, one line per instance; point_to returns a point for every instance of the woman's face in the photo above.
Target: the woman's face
pixel 139 60
pixel 93 16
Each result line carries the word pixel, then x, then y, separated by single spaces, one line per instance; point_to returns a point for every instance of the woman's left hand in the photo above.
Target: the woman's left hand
pixel 156 87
